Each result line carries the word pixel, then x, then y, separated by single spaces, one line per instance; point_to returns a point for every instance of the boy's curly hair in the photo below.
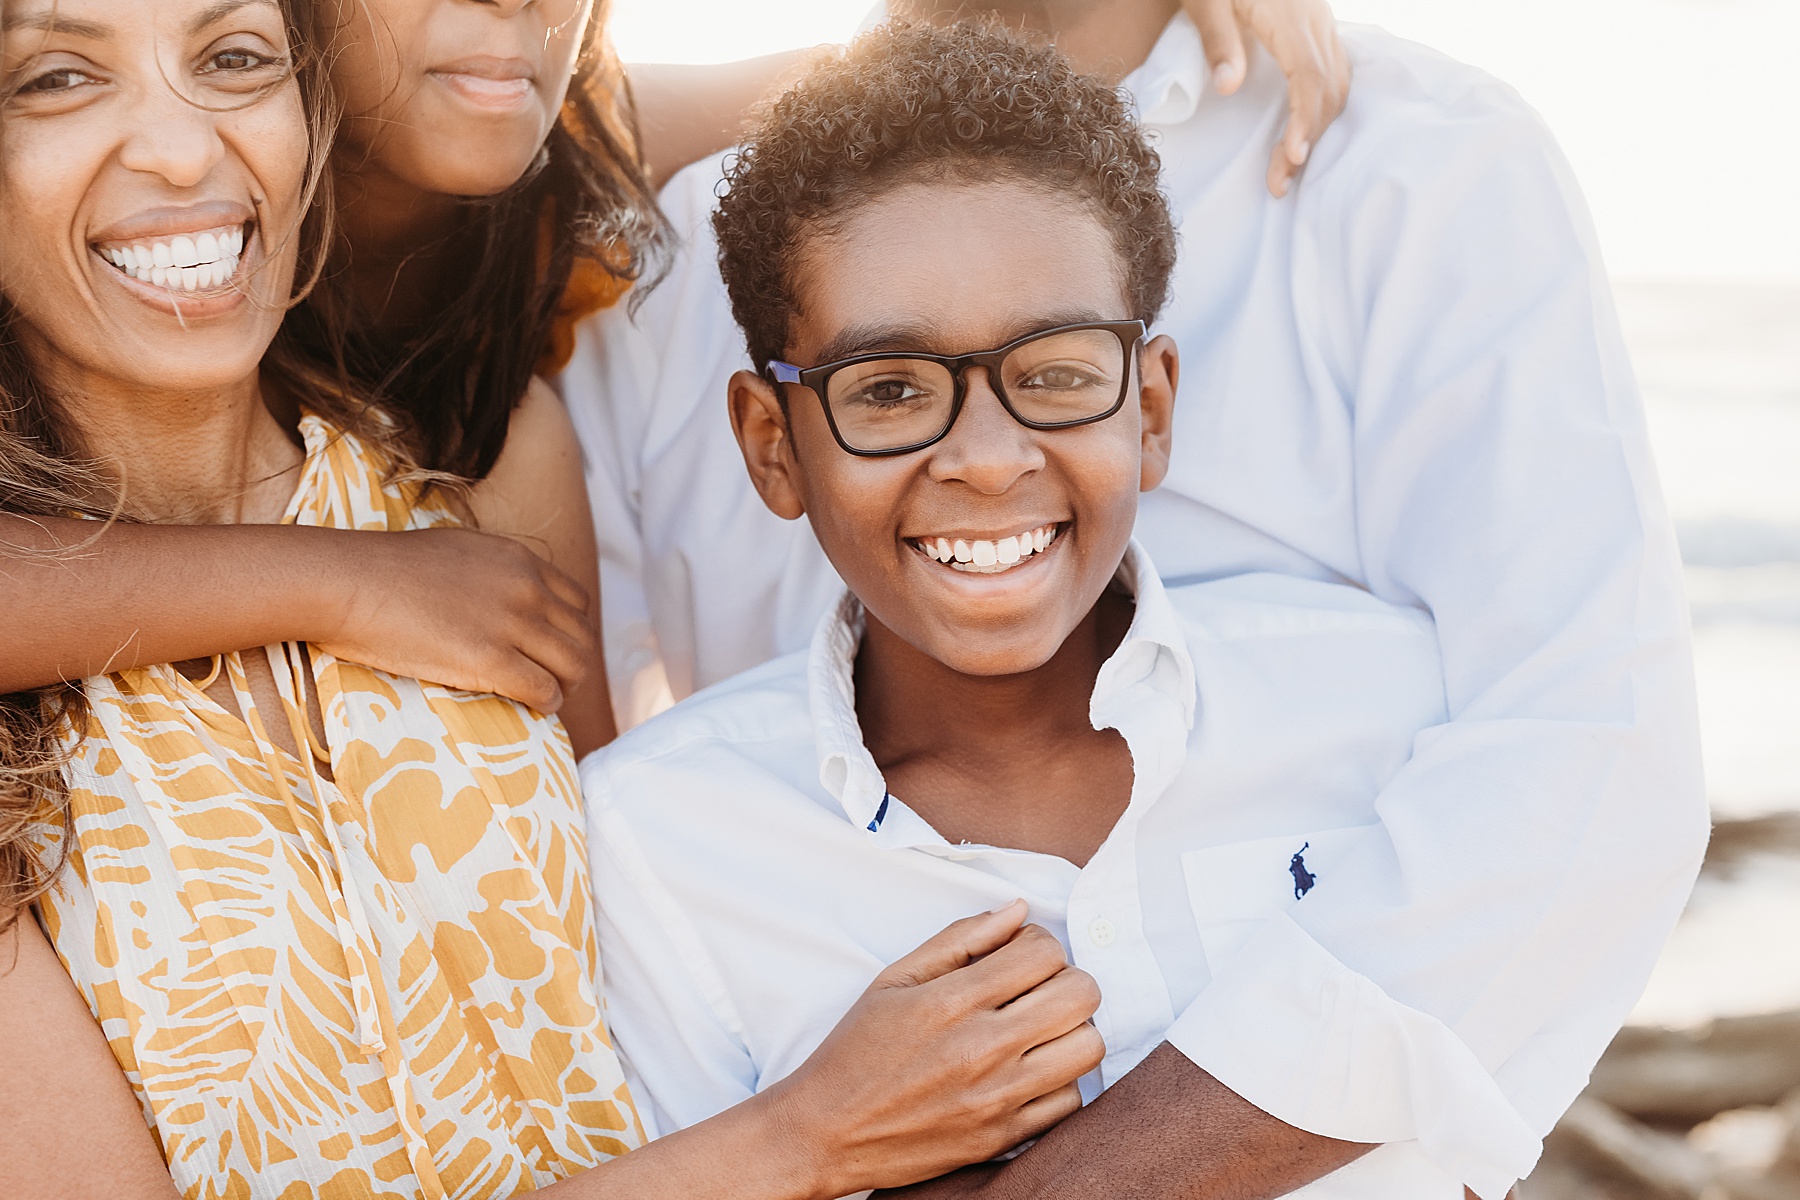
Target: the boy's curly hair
pixel 910 102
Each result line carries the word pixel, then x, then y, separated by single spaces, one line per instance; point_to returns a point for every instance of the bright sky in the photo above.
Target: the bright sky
pixel 1682 117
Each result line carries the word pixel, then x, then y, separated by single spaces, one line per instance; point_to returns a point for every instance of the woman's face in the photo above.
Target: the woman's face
pixel 454 97
pixel 152 161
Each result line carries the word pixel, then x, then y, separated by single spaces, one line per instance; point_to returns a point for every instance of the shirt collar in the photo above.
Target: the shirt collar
pixel 1152 668
pixel 1168 84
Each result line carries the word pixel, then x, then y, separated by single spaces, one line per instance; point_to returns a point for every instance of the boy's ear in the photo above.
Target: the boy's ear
pixel 762 433
pixel 1159 368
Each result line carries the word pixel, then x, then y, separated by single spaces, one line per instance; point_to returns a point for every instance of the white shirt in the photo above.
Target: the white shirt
pixel 1407 377
pixel 752 876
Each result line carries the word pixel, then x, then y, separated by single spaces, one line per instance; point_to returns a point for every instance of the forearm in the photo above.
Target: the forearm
pixel 1167 1129
pixel 752 1151
pixel 688 112
pixel 81 598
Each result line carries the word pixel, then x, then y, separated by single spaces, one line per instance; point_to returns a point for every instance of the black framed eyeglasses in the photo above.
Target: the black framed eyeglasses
pixel 887 403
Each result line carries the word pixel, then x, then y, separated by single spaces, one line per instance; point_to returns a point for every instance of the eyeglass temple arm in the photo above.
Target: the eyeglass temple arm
pixel 784 372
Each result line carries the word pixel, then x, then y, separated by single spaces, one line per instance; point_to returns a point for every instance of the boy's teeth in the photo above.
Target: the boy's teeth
pixel 183 264
pixel 985 556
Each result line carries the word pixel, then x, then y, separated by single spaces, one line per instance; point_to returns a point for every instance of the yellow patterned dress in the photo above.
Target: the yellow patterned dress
pixel 370 971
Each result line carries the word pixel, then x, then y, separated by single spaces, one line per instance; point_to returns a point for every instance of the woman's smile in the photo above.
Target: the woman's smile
pixel 501 85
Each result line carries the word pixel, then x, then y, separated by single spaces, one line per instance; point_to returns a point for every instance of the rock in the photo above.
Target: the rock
pixel 1626 1157
pixel 1686 1076
pixel 1743 1141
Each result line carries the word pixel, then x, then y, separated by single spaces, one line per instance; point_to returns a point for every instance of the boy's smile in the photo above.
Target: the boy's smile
pixel 983 550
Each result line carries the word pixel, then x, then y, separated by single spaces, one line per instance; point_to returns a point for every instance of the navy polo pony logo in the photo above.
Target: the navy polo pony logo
pixel 1303 878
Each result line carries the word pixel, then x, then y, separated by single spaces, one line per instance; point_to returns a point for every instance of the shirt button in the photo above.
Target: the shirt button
pixel 1101 932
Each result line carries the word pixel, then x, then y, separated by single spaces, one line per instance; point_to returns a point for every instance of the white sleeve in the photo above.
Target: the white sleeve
pixel 671 1020
pixel 608 386
pixel 1455 981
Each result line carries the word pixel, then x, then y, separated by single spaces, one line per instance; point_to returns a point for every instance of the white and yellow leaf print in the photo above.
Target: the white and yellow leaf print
pixel 374 977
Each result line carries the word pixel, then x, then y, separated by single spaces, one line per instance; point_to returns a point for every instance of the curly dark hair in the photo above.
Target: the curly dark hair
pixel 912 101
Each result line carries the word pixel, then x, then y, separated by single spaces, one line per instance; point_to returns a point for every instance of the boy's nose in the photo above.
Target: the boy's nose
pixel 986 449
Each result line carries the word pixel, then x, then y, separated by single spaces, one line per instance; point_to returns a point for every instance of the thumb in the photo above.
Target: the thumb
pixel 959 944
pixel 1224 42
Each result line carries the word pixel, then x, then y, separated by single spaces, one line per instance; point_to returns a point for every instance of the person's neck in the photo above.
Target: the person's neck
pixel 401 242
pixel 982 758
pixel 205 456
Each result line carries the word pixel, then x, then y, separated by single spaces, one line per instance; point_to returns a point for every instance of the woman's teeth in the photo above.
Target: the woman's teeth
pixel 184 264
pixel 988 557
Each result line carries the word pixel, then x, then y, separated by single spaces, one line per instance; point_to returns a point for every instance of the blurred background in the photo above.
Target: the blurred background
pixel 1682 120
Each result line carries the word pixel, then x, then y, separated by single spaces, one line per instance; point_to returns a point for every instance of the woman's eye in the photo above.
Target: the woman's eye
pixel 62 79
pixel 238 59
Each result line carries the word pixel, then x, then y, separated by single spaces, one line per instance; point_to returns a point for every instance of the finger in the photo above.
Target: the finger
pixel 573 625
pixel 1062 1002
pixel 558 640
pixel 1061 1062
pixel 955 946
pixel 564 587
pixel 525 681
pixel 1222 40
pixel 1037 1117
pixel 1028 960
pixel 1338 69
pixel 1305 90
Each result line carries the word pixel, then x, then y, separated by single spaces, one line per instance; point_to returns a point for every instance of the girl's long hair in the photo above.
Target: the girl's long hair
pixel 456 379
pixel 45 472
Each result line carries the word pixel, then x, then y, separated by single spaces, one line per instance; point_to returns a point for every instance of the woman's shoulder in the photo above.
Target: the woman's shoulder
pixel 361 479
pixel 539 470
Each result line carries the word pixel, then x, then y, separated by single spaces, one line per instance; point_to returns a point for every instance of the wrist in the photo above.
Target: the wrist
pixel 796 1149
pixel 323 583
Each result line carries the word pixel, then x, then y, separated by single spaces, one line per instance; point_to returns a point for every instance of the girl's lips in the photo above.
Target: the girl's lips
pixel 494 93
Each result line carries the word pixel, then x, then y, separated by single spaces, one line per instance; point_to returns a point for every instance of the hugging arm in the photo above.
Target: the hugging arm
pixel 688 112
pixel 1166 1129
pixel 467 609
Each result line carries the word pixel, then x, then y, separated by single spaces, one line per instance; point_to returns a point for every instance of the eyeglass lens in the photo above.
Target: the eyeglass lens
pixel 887 403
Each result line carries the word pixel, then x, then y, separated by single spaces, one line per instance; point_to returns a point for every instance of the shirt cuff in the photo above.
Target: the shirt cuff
pixel 1306 1039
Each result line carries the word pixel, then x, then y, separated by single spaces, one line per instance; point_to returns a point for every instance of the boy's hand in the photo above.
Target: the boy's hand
pixel 465 609
pixel 1302 37
pixel 960 1051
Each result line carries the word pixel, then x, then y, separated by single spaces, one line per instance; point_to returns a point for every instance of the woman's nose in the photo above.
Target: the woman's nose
pixel 172 136
pixel 509 8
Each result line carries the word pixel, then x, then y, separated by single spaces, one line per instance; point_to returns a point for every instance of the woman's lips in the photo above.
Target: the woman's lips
pixel 221 293
pixel 497 84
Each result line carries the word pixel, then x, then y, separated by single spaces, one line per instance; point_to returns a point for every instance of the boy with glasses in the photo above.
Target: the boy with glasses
pixel 946 251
